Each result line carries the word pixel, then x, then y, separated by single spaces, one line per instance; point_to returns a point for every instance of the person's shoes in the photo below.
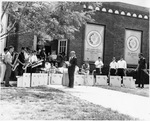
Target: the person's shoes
pixel 142 87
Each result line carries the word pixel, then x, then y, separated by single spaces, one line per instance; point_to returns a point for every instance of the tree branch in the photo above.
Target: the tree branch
pixel 5 10
pixel 21 32
pixel 9 30
pixel 7 33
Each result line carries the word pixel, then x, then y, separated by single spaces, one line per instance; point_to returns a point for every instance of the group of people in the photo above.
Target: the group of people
pixel 25 61
pixel 31 61
pixel 115 68
pixel 119 68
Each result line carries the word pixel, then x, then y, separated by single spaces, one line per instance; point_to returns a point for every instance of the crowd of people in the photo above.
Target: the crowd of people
pixel 31 61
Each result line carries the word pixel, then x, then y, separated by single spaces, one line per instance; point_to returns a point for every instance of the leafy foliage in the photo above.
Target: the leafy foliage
pixel 50 20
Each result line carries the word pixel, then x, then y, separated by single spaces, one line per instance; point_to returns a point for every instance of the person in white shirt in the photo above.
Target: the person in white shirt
pixel 99 64
pixel 121 68
pixel 113 67
pixel 47 66
pixel 34 57
pixel 4 54
pixel 33 60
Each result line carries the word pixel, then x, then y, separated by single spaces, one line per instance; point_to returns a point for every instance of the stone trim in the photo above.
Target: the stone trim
pixel 119 12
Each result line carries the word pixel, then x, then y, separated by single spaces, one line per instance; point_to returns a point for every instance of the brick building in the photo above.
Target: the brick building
pixel 117 22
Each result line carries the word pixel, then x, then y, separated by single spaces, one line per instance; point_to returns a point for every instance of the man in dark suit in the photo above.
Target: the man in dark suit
pixel 21 60
pixel 71 68
pixel 141 68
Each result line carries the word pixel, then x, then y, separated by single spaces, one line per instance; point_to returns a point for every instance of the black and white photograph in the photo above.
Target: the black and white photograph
pixel 74 60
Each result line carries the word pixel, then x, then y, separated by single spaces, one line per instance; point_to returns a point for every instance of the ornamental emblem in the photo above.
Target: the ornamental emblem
pixel 132 43
pixel 94 38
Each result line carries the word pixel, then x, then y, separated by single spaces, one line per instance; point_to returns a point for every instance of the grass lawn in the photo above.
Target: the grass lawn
pixel 137 91
pixel 45 103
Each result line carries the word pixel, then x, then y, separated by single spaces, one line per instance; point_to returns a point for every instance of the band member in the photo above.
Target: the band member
pixel 86 67
pixel 3 54
pixel 33 60
pixel 47 66
pixel 71 68
pixel 113 67
pixel 38 54
pixel 21 60
pixel 28 62
pixel 8 62
pixel 142 66
pixel 53 57
pixel 59 59
pixel 3 64
pixel 99 64
pixel 121 69
pixel 27 52
pixel 43 56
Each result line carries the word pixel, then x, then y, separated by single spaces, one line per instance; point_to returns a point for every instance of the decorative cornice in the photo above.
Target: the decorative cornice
pixel 118 12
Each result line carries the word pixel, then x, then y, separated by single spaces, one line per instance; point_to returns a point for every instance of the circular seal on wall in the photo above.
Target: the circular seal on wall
pixel 132 43
pixel 94 38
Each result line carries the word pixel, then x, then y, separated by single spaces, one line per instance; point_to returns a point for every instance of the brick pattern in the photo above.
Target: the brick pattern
pixel 114 36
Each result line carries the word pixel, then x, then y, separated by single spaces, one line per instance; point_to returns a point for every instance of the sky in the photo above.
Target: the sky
pixel 144 3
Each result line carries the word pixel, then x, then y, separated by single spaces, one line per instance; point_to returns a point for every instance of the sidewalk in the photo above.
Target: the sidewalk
pixel 129 104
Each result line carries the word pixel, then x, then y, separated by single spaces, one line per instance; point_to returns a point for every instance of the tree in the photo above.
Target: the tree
pixel 50 20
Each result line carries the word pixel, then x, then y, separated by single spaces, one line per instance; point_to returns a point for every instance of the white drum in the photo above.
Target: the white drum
pixel 89 80
pixel 19 81
pixel 115 81
pixel 129 82
pixel 26 79
pixel 56 79
pixel 79 80
pixel 101 80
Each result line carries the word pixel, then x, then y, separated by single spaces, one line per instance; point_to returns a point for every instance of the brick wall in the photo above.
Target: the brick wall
pixel 114 36
pixel 20 40
pixel 25 40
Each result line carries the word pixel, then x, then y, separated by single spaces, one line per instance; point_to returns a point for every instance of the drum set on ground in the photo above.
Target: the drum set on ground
pixel 39 79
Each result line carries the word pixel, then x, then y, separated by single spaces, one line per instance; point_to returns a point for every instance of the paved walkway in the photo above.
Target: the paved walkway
pixel 133 105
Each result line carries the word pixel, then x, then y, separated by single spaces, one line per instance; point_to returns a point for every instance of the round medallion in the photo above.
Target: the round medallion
pixel 94 38
pixel 132 43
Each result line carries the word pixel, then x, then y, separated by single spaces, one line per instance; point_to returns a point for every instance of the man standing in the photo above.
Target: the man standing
pixel 71 68
pixel 43 57
pixel 142 66
pixel 121 69
pixel 113 67
pixel 3 66
pixel 21 60
pixel 8 62
pixel 99 64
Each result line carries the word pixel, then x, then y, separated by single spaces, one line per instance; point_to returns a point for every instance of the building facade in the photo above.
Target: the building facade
pixel 119 29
